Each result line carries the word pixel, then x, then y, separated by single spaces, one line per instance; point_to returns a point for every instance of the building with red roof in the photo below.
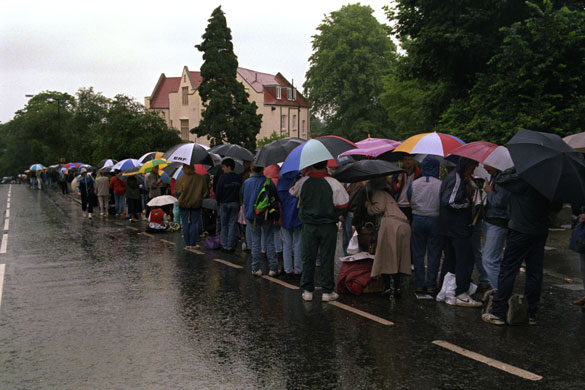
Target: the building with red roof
pixel 284 110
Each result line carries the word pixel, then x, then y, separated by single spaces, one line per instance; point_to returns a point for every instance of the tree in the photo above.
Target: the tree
pixel 351 54
pixel 228 116
pixel 266 140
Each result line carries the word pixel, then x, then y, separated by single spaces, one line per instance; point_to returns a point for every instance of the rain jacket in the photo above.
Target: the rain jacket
pixel 250 190
pixel 85 185
pixel 190 187
pixel 529 209
pixel 228 188
pixel 455 212
pixel 132 188
pixel 118 185
pixel 424 192
pixel 498 201
pixel 288 203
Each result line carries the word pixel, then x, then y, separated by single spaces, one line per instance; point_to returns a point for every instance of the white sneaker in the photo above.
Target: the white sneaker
pixel 332 296
pixel 272 273
pixel 258 272
pixel 307 296
pixel 89 215
pixel 465 300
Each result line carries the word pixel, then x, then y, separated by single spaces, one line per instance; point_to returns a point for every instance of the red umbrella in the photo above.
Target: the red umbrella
pixel 486 153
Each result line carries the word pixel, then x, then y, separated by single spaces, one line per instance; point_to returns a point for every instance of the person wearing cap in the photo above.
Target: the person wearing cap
pixel 87 192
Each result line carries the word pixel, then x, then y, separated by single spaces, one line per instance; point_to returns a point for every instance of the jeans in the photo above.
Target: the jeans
pixel 248 233
pixel 477 257
pixel 495 238
pixel 292 246
pixel 582 260
pixel 520 247
pixel 458 260
pixel 426 239
pixel 190 225
pixel 347 232
pixel 120 201
pixel 262 229
pixel 229 218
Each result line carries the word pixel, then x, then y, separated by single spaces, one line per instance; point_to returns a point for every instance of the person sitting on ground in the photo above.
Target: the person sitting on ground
pixel 157 220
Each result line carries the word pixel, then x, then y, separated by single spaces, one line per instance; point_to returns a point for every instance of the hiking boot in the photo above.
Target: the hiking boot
pixel 258 272
pixel 464 300
pixel 492 319
pixel 332 296
pixel 307 296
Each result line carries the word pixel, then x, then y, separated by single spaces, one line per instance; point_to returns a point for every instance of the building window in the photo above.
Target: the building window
pixel 184 78
pixel 283 123
pixel 294 94
pixel 278 93
pixel 289 94
pixel 185 129
pixel 303 130
pixel 185 91
pixel 294 123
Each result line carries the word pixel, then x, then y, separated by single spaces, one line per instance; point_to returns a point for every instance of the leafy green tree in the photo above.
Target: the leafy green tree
pixel 351 54
pixel 266 140
pixel 229 116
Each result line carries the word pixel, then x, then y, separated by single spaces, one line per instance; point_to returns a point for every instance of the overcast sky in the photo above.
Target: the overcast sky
pixel 123 46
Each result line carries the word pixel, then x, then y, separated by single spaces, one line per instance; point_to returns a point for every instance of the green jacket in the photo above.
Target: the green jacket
pixel 190 188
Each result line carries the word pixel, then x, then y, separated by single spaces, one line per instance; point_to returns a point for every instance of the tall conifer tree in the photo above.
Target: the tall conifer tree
pixel 229 116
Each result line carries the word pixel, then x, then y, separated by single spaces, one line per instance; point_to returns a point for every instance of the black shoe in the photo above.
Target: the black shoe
pixel 387 293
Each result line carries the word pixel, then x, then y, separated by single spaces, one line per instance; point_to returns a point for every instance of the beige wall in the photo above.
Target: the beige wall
pixel 190 112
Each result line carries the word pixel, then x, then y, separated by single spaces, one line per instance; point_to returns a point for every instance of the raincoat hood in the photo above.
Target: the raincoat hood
pixel 430 167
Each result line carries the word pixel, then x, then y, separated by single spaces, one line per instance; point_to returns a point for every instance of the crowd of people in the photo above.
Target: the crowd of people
pixel 428 220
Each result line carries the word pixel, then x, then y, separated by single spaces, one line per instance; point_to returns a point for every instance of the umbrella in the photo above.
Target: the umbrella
pixel 106 162
pixel 150 156
pixel 157 162
pixel 315 150
pixel 335 144
pixel 276 151
pixel 36 167
pixel 125 164
pixel 486 153
pixel 162 200
pixel 235 151
pixel 365 170
pixel 576 141
pixel 178 172
pixel 72 165
pixel 373 147
pixel 430 143
pixel 189 153
pixel 549 165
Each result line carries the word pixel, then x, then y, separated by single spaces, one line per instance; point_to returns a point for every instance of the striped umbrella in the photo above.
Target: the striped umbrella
pixel 372 147
pixel 127 163
pixel 150 156
pixel 438 144
pixel 486 153
pixel 36 167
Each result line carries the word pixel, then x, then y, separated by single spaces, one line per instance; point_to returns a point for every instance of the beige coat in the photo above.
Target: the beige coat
pixel 393 247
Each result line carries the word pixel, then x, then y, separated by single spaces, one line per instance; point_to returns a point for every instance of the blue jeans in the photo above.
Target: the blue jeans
pixel 292 246
pixel 426 239
pixel 190 225
pixel 520 247
pixel 262 229
pixel 120 201
pixel 495 238
pixel 228 213
pixel 346 231
pixel 477 257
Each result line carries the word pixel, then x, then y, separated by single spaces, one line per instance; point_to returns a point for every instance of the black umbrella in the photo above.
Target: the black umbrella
pixel 236 151
pixel 188 153
pixel 276 151
pixel 365 170
pixel 549 165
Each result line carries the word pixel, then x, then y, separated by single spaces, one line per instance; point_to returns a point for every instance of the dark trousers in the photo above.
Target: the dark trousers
pixel 64 188
pixel 426 240
pixel 315 238
pixel 458 260
pixel 520 247
pixel 87 202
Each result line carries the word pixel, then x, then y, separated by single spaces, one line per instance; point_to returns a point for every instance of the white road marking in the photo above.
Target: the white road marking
pixel 4 243
pixel 2 268
pixel 278 281
pixel 167 241
pixel 362 313
pixel 490 362
pixel 7 205
pixel 6 224
pixel 228 263
pixel 8 213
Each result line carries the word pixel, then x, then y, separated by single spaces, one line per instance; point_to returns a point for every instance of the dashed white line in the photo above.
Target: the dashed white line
pixel 4 243
pixel 2 268
pixel 362 313
pixel 8 213
pixel 6 224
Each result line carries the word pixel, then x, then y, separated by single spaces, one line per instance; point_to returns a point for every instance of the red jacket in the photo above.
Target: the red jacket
pixel 118 185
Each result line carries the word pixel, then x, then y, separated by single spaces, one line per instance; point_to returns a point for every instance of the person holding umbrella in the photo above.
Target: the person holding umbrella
pixel 119 187
pixel 228 199
pixel 190 189
pixel 87 192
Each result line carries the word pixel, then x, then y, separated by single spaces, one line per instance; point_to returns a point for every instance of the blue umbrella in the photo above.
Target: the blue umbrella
pixel 126 164
pixel 305 155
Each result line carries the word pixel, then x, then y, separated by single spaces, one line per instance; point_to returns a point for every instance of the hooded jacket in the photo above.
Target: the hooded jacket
pixel 424 192
pixel 288 203
pixel 455 212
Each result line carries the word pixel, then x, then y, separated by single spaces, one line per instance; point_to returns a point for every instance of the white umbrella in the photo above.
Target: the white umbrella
pixel 127 163
pixel 576 141
pixel 189 153
pixel 162 200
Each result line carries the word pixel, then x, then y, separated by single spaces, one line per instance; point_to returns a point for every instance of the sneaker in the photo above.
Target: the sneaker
pixel 332 296
pixel 89 215
pixel 258 272
pixel 531 321
pixel 465 300
pixel 196 246
pixel 307 296
pixel 273 273
pixel 492 319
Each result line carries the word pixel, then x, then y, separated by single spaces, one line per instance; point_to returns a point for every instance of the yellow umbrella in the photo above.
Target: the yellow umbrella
pixel 147 167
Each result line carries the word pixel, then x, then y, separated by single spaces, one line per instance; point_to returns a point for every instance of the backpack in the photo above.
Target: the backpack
pixel 267 202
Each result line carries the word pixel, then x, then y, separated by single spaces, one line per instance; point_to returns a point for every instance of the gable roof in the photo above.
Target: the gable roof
pixel 160 95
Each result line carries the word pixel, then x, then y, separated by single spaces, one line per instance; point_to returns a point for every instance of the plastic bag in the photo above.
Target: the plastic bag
pixel 353 247
pixel 447 292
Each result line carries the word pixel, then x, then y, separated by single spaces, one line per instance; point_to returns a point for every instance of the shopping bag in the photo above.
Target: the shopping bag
pixel 353 247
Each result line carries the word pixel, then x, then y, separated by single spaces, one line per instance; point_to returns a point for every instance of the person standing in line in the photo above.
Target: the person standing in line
pixel 322 200
pixel 87 192
pixel 401 182
pixel 102 184
pixel 190 189
pixel 291 225
pixel 579 215
pixel 425 194
pixel 228 199
pixel 133 198
pixel 153 185
pixel 495 226
pixel 119 187
pixel 63 181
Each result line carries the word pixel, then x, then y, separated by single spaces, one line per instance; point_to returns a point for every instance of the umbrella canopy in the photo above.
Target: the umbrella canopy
pixel 178 172
pixel 125 164
pixel 235 151
pixel 73 165
pixel 107 162
pixel 276 151
pixel 549 165
pixel 438 144
pixel 189 153
pixel 373 147
pixel 315 150
pixel 365 170
pixel 150 156
pixel 36 167
pixel 162 200
pixel 486 153
pixel 576 141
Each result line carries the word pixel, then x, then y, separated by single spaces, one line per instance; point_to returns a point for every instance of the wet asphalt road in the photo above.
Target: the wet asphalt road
pixel 98 305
